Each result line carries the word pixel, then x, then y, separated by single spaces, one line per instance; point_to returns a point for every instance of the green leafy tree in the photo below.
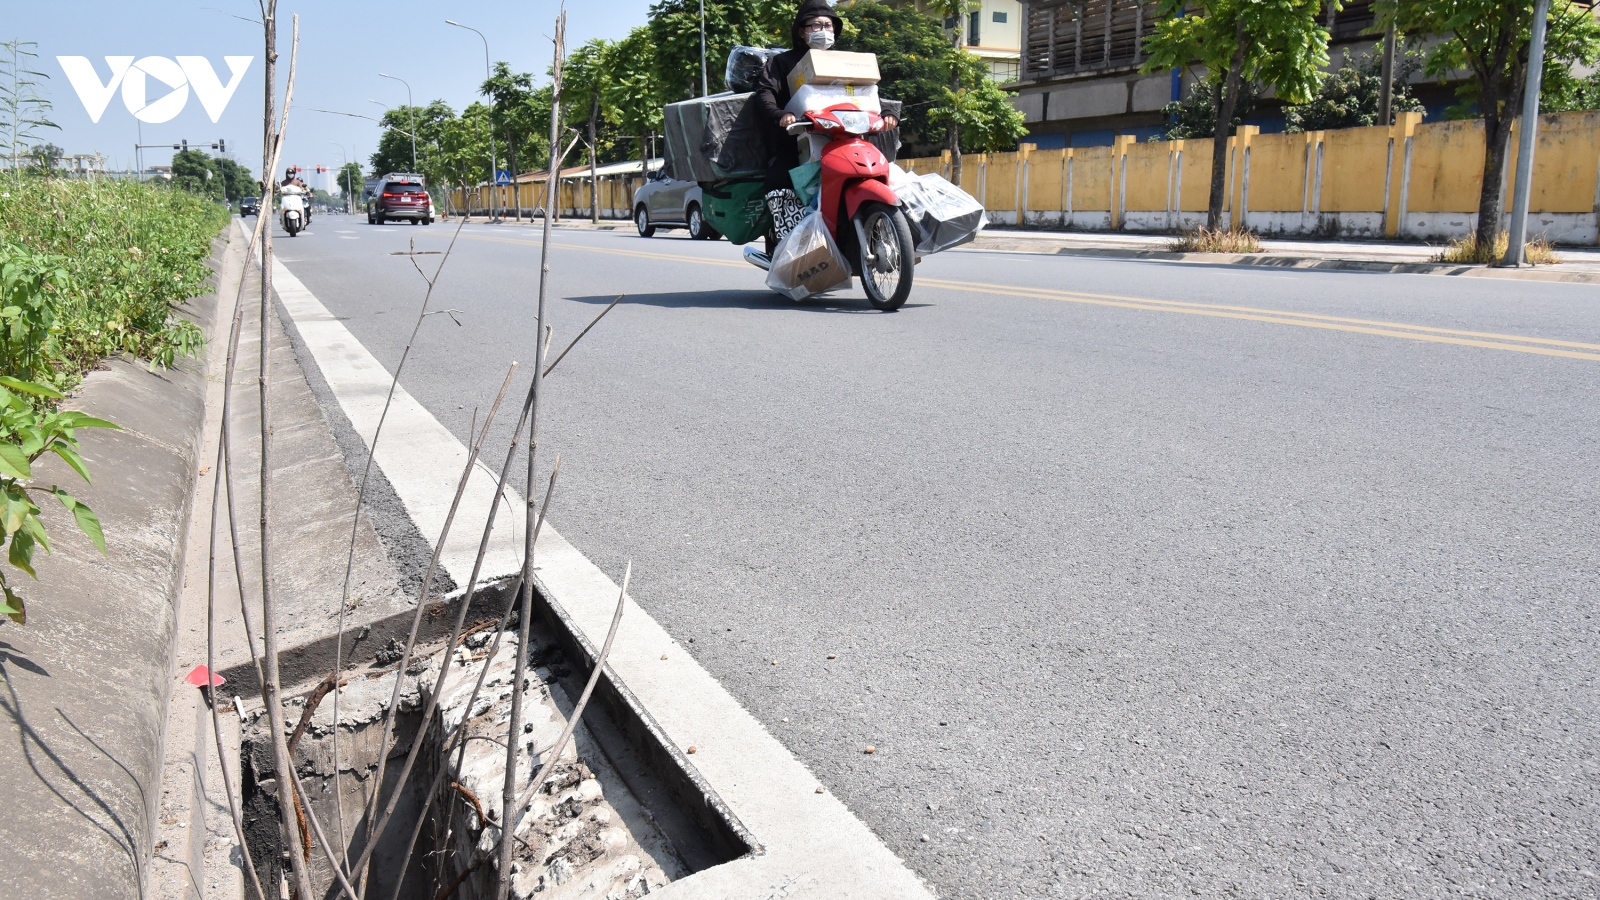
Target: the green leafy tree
pixel 237 182
pixel 394 144
pixel 955 11
pixel 1570 94
pixel 1350 96
pixel 583 88
pixel 44 158
pixel 24 112
pixel 1195 116
pixel 634 92
pixel 1489 40
pixel 914 58
pixel 516 107
pixel 675 31
pixel 192 172
pixel 350 181
pixel 980 111
pixel 1281 44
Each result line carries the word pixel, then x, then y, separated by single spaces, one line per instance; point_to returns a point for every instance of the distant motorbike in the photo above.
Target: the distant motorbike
pixel 855 182
pixel 294 213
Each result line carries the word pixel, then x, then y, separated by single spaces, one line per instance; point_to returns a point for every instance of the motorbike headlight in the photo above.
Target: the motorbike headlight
pixel 855 122
pixel 827 123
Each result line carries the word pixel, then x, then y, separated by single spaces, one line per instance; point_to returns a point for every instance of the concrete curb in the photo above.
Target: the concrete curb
pixel 992 244
pixel 88 679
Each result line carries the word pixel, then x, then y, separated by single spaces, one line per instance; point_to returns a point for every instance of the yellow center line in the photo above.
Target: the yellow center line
pixel 1073 295
pixel 1511 342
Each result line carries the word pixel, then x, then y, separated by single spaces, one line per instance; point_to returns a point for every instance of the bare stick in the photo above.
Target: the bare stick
pixel 583 700
pixel 322 839
pixel 585 331
pixel 509 789
pixel 427 578
pixel 458 739
pixel 328 683
pixel 218 480
pixel 270 689
pixel 477 566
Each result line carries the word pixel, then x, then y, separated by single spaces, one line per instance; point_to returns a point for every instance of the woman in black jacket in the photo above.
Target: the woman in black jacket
pixel 815 27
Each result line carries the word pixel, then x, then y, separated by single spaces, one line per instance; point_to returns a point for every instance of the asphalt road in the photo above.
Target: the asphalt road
pixel 1133 598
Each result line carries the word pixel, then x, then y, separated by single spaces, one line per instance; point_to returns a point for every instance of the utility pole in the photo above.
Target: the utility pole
pixel 494 180
pixel 1515 251
pixel 412 109
pixel 705 89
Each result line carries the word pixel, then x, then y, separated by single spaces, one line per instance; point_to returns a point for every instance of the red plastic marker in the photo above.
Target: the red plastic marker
pixel 199 675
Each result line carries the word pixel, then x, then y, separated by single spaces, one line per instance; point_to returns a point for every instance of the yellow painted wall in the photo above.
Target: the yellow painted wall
pixel 1145 168
pixel 1000 181
pixel 1047 172
pixel 1565 163
pixel 1196 187
pixel 1091 179
pixel 1353 163
pixel 1277 173
pixel 1446 167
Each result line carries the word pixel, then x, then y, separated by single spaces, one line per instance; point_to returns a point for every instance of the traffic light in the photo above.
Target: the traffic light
pixel 186 145
pixel 222 145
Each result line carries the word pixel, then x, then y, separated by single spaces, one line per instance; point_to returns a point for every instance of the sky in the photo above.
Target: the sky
pixel 344 44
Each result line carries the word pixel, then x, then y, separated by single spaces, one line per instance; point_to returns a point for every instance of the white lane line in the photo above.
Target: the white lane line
pixel 814 847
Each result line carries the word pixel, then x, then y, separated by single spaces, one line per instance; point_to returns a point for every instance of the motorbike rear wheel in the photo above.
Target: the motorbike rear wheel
pixel 887 254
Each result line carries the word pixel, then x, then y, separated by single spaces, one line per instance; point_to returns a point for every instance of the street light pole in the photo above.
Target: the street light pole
pixel 344 162
pixel 1515 251
pixel 705 90
pixel 412 109
pixel 493 179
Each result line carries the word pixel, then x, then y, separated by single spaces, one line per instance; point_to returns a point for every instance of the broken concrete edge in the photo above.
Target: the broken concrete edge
pixel 88 680
pixel 986 244
pixel 696 815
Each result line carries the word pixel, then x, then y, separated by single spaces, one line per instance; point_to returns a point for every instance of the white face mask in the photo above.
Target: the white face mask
pixel 820 40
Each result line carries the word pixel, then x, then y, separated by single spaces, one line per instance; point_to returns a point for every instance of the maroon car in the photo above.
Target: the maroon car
pixel 401 200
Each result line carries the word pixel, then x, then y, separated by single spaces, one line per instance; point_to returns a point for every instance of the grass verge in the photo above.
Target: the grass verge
pixel 1217 240
pixel 102 267
pixel 1537 252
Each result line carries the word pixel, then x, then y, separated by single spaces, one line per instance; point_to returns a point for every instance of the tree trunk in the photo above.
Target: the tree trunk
pixel 594 181
pixel 1497 121
pixel 516 186
pixel 955 87
pixel 1219 141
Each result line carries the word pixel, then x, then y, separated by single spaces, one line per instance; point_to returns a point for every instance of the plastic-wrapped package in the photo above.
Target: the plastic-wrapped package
pixel 941 214
pixel 817 97
pixel 808 262
pixel 745 65
pixel 714 138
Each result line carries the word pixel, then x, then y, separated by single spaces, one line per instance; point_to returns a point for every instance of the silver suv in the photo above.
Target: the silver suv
pixel 665 202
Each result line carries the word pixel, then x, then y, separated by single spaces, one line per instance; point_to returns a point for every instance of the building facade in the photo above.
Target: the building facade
pixel 993 33
pixel 1080 84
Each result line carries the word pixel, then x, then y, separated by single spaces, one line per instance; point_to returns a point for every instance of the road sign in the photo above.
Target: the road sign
pixel 502 177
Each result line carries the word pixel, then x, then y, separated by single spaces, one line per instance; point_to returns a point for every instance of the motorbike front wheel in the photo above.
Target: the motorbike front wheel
pixel 887 254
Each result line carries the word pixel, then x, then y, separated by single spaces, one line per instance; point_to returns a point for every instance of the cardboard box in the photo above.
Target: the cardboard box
pixel 834 67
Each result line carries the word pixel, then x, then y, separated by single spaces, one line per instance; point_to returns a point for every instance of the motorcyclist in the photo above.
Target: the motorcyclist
pixel 293 185
pixel 816 27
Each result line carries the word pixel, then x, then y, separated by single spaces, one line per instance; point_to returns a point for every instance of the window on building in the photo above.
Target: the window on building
pixel 972 30
pixel 1000 18
pixel 1005 71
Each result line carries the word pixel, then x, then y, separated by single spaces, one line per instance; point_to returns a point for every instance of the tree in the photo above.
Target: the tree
pixel 958 11
pixel 1281 44
pixel 675 31
pixel 1489 39
pixel 236 180
pixel 586 75
pixel 913 59
pixel 44 156
pixel 634 92
pixel 23 110
pixel 511 99
pixel 1350 97
pixel 350 180
pixel 394 144
pixel 1570 94
pixel 192 172
pixel 1195 116
pixel 979 111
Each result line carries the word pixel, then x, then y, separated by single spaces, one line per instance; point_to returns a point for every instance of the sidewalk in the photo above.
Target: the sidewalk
pixel 1577 265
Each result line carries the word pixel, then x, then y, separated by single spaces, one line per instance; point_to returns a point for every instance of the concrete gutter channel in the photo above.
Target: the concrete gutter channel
pixel 113 788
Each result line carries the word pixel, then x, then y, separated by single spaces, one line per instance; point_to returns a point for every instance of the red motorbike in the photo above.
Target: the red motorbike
pixel 855 188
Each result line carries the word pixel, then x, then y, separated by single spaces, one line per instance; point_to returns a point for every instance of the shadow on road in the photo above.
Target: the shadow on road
pixel 729 299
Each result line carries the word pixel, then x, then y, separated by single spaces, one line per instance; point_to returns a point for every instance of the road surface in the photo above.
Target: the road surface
pixel 1142 578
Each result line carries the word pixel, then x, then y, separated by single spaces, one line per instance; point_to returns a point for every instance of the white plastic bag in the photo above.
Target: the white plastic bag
pixel 808 262
pixel 941 214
